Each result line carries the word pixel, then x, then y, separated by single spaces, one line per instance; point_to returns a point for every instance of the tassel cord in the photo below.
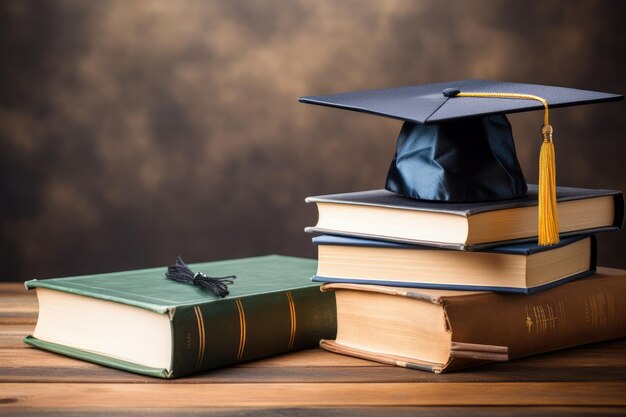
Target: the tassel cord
pixel 548 216
pixel 547 219
pixel 180 272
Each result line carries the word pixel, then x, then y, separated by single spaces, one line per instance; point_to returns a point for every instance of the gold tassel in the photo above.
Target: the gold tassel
pixel 548 233
pixel 548 216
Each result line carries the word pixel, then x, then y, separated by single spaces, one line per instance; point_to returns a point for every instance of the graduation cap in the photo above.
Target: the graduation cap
pixel 456 144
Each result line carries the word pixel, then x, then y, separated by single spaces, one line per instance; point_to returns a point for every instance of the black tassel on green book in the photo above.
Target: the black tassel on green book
pixel 180 272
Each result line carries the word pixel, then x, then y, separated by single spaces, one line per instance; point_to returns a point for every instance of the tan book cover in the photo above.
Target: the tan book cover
pixel 439 331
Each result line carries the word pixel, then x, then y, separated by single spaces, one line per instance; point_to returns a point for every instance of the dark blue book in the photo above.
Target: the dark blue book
pixel 383 215
pixel 517 268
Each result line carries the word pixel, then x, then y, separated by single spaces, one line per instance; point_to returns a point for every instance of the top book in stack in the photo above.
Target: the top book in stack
pixel 383 215
pixel 455 164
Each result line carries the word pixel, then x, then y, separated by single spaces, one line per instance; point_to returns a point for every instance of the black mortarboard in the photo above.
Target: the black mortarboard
pixel 456 143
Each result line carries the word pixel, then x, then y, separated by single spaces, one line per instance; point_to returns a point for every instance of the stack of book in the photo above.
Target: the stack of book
pixel 440 286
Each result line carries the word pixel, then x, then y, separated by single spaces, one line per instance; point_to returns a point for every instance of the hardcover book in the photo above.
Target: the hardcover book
pixel 440 331
pixel 383 215
pixel 142 322
pixel 522 267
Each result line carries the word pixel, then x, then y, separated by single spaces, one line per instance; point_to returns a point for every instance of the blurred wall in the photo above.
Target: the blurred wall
pixel 131 132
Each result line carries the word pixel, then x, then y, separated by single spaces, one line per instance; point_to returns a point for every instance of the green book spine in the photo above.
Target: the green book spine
pixel 208 336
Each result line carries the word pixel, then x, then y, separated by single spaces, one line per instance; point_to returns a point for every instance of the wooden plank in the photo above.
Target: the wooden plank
pixel 419 411
pixel 579 357
pixel 15 328
pixel 33 357
pixel 310 357
pixel 88 373
pixel 11 342
pixel 12 328
pixel 607 354
pixel 118 396
pixel 24 303
pixel 15 289
pixel 23 355
pixel 12 334
pixel 27 364
pixel 18 307
pixel 27 303
pixel 21 296
pixel 14 351
pixel 10 288
pixel 21 319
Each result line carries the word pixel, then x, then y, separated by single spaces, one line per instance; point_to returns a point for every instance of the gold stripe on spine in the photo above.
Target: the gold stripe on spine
pixel 195 310
pixel 203 336
pixel 242 329
pixel 200 321
pixel 292 313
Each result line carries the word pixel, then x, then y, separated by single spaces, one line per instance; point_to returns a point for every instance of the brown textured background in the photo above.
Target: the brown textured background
pixel 134 131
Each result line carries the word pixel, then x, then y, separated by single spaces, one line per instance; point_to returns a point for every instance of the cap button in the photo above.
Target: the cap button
pixel 451 92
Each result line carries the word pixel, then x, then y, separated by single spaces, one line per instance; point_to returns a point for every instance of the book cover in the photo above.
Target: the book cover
pixel 399 205
pixel 272 308
pixel 479 327
pixel 520 249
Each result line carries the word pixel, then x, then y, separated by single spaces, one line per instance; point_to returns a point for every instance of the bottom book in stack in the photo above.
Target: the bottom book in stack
pixel 443 330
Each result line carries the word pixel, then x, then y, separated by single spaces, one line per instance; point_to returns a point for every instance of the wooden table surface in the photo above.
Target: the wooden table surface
pixel 589 380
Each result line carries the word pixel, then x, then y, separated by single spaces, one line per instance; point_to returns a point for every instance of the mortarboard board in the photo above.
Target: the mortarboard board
pixel 456 144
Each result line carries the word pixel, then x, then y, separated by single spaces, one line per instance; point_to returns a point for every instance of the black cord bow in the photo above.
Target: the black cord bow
pixel 180 272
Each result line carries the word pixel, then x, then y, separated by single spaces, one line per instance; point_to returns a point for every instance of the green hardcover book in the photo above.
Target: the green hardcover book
pixel 142 322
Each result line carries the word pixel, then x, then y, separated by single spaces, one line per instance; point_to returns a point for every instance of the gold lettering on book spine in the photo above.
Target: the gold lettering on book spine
pixel 200 321
pixel 548 318
pixel 600 310
pixel 242 329
pixel 292 315
pixel 529 321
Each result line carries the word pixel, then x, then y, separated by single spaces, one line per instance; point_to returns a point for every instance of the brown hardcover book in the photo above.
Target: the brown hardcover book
pixel 440 331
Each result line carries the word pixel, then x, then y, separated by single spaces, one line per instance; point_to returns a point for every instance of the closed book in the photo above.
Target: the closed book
pixel 440 331
pixel 383 215
pixel 142 322
pixel 521 267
